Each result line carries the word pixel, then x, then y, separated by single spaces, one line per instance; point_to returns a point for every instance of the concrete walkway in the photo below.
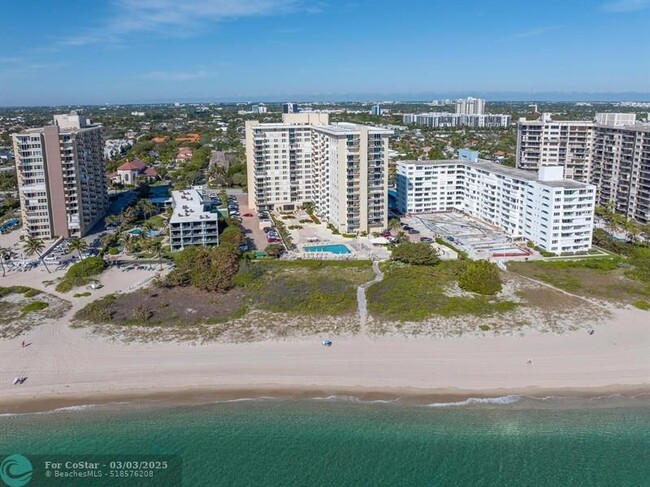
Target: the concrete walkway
pixel 362 305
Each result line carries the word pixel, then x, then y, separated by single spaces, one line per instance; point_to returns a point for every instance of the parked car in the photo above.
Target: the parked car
pixel 386 234
pixel 267 229
pixel 247 214
pixel 243 248
pixel 413 231
pixel 406 228
pixel 426 239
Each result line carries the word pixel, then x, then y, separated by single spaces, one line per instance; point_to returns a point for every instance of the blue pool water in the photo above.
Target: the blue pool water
pixel 334 249
pixel 150 233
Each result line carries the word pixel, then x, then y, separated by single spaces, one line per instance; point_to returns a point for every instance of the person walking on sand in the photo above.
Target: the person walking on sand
pixel 23 344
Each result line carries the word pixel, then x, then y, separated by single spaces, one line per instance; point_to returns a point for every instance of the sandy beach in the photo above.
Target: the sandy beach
pixel 68 366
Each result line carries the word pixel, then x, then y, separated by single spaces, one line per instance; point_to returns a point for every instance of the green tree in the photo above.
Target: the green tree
pixel 77 244
pixel 274 250
pixel 146 208
pixel 632 230
pixel 231 237
pixel 415 253
pixel 480 277
pixel 128 242
pixel 36 246
pixel 157 249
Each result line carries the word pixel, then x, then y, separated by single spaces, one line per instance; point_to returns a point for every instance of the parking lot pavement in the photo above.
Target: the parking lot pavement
pixel 255 236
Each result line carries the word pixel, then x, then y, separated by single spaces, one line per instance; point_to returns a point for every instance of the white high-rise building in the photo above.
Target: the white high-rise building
pixel 442 120
pixel 61 177
pixel 554 213
pixel 470 106
pixel 612 152
pixel 341 168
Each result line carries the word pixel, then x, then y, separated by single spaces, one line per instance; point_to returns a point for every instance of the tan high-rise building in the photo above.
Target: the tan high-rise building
pixel 61 177
pixel 341 168
pixel 611 152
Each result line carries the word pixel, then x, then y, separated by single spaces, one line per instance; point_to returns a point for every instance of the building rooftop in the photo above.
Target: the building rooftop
pixel 189 206
pixel 504 171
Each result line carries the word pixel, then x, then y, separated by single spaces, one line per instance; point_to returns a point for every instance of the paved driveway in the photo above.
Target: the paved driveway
pixel 255 237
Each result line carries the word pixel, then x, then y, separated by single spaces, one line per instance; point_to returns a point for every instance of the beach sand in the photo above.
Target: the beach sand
pixel 68 367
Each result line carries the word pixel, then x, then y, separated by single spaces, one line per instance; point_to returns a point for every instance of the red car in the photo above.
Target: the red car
pixel 273 240
pixel 247 214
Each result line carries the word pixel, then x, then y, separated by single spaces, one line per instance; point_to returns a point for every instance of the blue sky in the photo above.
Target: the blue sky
pixel 129 51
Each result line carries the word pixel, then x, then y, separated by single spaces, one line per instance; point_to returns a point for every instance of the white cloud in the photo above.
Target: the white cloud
pixel 532 32
pixel 623 6
pixel 174 75
pixel 173 18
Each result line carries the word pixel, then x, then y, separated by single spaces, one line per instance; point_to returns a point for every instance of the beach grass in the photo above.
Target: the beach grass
pixel 415 293
pixel 610 278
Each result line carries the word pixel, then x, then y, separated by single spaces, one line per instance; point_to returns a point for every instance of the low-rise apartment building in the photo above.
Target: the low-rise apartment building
pixel 342 169
pixel 611 152
pixel 61 177
pixel 554 213
pixel 192 221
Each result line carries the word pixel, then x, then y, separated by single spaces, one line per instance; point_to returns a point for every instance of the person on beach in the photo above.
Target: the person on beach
pixel 23 344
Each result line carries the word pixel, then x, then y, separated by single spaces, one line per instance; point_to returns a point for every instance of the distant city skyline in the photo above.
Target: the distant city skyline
pixel 156 51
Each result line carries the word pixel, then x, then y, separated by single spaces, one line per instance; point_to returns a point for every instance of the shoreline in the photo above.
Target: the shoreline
pixel 48 403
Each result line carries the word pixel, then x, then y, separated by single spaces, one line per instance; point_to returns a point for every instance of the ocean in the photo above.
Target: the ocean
pixel 340 441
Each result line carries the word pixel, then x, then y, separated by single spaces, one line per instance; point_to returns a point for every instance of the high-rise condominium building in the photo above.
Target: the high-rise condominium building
pixel 375 110
pixel 444 120
pixel 289 108
pixel 342 169
pixel 612 152
pixel 554 213
pixel 470 106
pixel 61 177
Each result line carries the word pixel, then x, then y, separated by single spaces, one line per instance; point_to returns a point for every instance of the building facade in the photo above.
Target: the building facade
pixel 447 120
pixel 192 221
pixel 554 213
pixel 611 152
pixel 61 177
pixel 470 106
pixel 342 169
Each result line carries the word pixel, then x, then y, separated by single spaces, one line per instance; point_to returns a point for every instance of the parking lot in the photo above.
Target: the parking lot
pixel 479 239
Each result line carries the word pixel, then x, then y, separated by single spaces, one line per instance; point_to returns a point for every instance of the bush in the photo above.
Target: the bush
pixel 231 237
pixel 415 253
pixel 333 229
pixel 274 250
pixel 34 306
pixel 480 277
pixel 462 255
pixel 484 327
pixel 81 273
pixel 295 227
pixel 113 251
pixel 644 305
pixel 98 311
pixel 30 293
pixel 206 268
pixel 81 295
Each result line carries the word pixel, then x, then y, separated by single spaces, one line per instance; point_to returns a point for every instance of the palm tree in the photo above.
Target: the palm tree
pixel 3 253
pixel 156 248
pixel 36 246
pixel 632 230
pixel 147 208
pixel 128 242
pixel 616 222
pixel 393 223
pixel 77 244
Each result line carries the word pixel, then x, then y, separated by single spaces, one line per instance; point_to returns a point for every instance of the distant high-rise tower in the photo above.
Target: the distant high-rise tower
pixel 375 110
pixel 289 108
pixel 61 177
pixel 470 106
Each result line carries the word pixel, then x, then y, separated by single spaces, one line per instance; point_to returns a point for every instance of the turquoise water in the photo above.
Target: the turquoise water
pixel 346 443
pixel 150 233
pixel 334 249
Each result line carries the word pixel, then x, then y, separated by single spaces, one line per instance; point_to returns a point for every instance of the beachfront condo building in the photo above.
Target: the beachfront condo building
pixel 448 120
pixel 341 169
pixel 192 221
pixel 554 213
pixel 61 177
pixel 612 152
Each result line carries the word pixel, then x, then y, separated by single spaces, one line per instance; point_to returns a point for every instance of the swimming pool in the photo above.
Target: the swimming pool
pixel 136 232
pixel 333 249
